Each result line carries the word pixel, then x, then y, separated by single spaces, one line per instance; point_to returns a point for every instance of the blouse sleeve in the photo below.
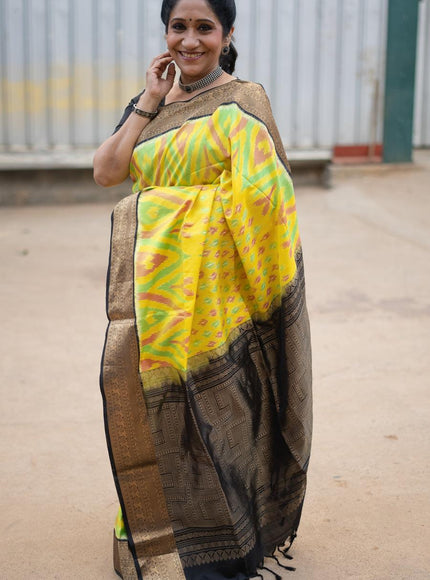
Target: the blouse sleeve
pixel 127 111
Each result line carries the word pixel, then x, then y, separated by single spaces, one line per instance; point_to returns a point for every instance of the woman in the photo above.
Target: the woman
pixel 206 369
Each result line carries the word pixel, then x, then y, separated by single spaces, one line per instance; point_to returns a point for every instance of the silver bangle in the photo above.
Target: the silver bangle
pixel 143 113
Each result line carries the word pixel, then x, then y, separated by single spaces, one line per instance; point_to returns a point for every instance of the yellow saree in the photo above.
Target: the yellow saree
pixel 206 372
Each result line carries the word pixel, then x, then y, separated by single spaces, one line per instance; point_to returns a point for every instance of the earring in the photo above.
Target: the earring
pixel 225 50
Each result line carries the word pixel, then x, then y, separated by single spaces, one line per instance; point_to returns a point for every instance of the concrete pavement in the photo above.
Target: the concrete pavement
pixel 367 250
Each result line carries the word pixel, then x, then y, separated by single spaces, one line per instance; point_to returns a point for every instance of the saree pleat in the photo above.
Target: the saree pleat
pixel 206 372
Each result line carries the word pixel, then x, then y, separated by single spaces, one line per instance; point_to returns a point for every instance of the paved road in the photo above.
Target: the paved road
pixel 367 514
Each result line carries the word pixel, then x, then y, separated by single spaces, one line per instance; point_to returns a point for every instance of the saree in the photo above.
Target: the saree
pixel 206 369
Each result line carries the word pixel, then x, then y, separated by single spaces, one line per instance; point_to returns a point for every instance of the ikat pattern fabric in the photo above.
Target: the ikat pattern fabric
pixel 217 234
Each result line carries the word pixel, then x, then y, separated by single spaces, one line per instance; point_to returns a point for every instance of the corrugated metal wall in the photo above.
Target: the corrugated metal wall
pixel 68 67
pixel 422 93
pixel 322 62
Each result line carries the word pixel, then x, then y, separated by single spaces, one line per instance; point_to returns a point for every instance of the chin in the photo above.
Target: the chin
pixel 194 67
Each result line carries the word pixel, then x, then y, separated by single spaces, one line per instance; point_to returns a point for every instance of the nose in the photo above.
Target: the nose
pixel 190 40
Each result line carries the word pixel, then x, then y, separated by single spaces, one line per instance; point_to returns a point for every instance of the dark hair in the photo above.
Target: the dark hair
pixel 225 11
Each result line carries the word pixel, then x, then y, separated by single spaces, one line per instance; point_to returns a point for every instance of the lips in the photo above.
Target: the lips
pixel 191 55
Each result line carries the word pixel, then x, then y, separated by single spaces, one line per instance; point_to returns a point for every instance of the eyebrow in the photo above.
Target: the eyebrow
pixel 197 20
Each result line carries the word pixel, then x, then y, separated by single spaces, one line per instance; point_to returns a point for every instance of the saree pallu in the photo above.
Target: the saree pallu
pixel 206 371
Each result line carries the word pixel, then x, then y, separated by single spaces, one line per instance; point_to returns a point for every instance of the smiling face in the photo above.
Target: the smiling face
pixel 194 39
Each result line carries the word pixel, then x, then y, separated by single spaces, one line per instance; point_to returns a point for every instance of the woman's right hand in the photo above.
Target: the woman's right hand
pixel 157 87
pixel 112 158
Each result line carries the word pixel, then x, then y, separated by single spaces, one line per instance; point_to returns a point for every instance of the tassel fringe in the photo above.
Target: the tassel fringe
pixel 289 568
pixel 283 550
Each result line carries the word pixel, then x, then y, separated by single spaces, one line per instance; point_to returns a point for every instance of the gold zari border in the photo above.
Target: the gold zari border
pixel 128 433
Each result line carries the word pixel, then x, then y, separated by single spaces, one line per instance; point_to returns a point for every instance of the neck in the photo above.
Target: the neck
pixel 205 81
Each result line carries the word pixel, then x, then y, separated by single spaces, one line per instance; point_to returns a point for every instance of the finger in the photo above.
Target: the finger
pixel 161 64
pixel 160 57
pixel 171 72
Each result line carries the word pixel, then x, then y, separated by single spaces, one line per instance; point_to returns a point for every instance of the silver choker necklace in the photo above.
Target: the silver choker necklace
pixel 204 82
